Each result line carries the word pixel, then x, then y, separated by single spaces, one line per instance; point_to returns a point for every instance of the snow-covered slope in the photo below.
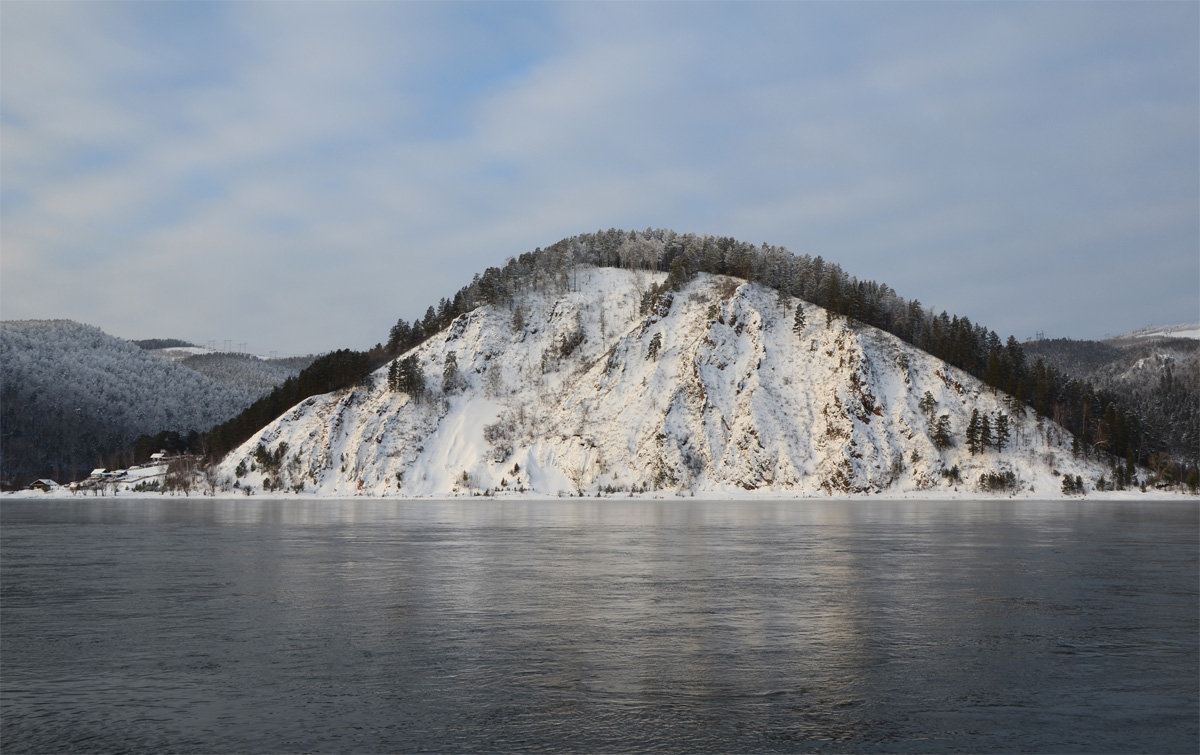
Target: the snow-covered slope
pixel 1191 331
pixel 713 392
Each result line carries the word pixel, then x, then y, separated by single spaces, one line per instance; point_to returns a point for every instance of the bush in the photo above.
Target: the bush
pixel 1072 485
pixel 997 481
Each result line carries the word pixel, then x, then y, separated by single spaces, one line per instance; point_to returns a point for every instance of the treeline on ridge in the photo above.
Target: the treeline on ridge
pixel 1095 417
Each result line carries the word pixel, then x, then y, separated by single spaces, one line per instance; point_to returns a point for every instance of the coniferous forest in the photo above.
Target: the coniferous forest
pixel 1101 423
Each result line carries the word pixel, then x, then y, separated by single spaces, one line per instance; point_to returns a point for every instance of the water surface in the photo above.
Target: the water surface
pixel 349 626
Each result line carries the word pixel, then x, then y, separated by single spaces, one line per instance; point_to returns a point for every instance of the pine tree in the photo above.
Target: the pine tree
pixel 1002 431
pixel 450 378
pixel 985 432
pixel 409 377
pixel 655 345
pixel 941 432
pixel 928 404
pixel 799 323
pixel 399 336
pixel 973 432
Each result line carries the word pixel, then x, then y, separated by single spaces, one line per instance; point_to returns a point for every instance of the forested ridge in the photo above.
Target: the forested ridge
pixel 74 397
pixel 1097 418
pixel 248 376
pixel 1158 378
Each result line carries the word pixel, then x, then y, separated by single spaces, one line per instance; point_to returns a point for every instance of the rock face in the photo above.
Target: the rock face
pixel 707 390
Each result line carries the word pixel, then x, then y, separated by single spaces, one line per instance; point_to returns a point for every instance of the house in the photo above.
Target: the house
pixel 44 485
pixel 160 456
pixel 99 474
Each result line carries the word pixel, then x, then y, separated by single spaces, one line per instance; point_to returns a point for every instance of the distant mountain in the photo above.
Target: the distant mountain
pixel 619 384
pixel 73 397
pixel 1186 331
pixel 1155 372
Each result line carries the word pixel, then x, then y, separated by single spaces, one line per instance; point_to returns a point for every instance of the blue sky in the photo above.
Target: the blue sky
pixel 296 176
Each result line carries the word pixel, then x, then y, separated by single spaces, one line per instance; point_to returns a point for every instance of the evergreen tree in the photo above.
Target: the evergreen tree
pixel 655 345
pixel 941 432
pixel 798 323
pixel 928 404
pixel 973 432
pixel 399 336
pixel 409 377
pixel 451 381
pixel 1002 431
pixel 1072 485
pixel 985 432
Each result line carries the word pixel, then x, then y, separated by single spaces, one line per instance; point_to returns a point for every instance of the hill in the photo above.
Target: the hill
pixel 1155 373
pixel 622 383
pixel 246 375
pixel 74 398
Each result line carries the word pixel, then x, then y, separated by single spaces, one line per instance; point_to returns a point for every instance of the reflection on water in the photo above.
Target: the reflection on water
pixel 192 625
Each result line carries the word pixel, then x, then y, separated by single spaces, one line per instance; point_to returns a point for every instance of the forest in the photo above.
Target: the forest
pixel 74 398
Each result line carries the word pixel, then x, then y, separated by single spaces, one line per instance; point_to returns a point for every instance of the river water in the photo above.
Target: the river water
pixel 188 625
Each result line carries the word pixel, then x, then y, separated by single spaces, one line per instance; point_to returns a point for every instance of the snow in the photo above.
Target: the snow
pixel 734 403
pixel 458 437
pixel 1171 331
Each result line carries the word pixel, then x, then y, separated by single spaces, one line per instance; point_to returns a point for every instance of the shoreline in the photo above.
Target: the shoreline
pixel 747 496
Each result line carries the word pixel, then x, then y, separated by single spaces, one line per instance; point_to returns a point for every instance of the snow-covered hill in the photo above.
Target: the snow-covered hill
pixel 1156 374
pixel 73 394
pixel 1189 331
pixel 712 392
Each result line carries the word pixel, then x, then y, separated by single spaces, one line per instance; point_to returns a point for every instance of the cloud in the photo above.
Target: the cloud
pixel 301 175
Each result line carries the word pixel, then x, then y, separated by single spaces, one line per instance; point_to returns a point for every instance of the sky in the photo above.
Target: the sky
pixel 295 177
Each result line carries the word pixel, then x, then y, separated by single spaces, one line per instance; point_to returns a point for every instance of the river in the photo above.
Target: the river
pixel 296 625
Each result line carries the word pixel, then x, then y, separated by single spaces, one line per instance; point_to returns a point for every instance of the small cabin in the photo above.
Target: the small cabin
pixel 160 456
pixel 99 474
pixel 44 485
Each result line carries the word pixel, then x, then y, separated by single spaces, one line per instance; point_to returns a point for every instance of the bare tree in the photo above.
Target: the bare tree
pixel 180 475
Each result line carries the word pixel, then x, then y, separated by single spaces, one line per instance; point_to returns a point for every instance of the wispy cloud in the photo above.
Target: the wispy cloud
pixel 298 175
